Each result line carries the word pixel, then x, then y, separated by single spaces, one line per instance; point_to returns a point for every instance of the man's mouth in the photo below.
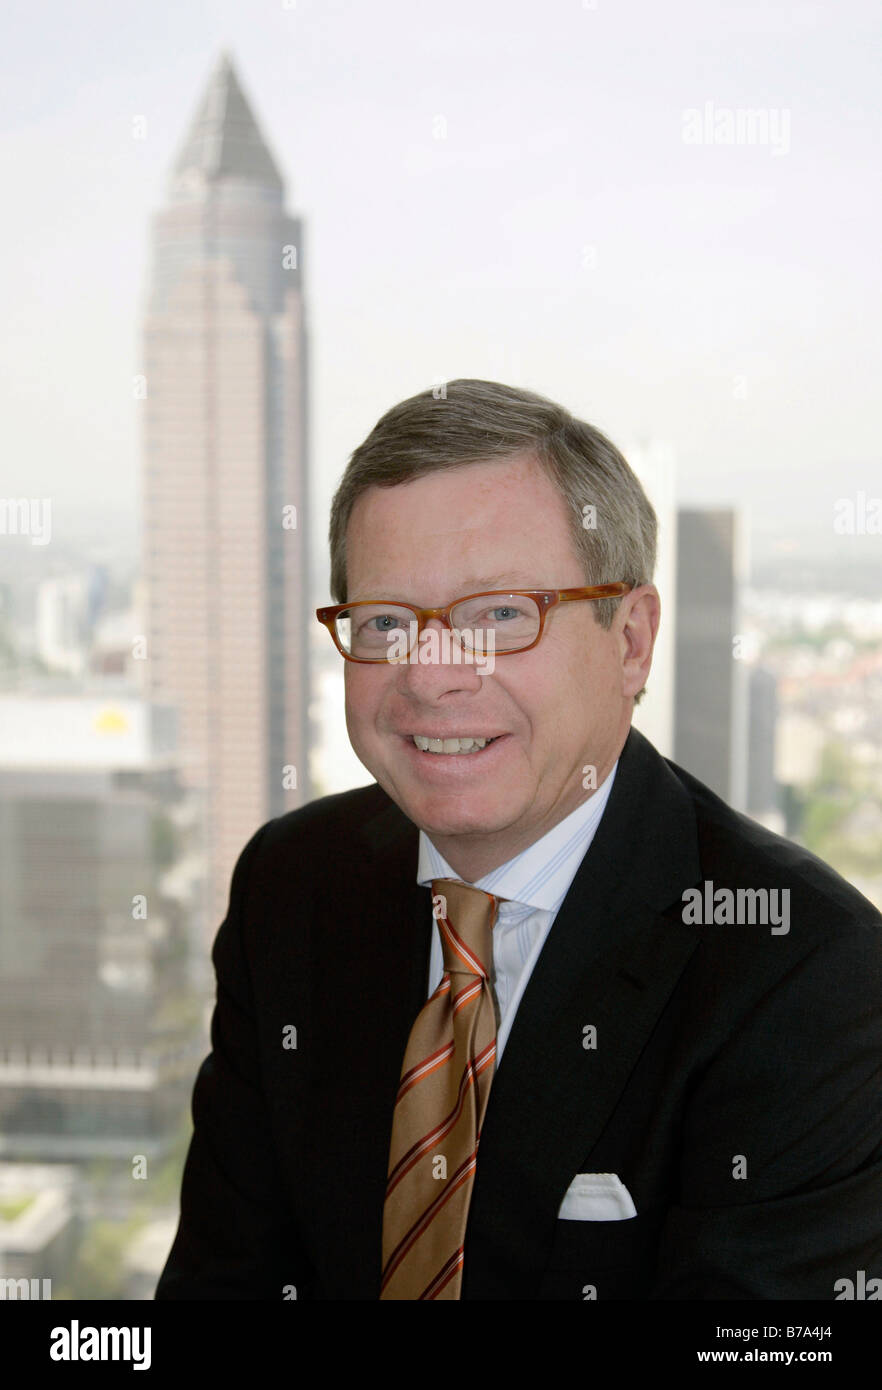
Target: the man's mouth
pixel 464 744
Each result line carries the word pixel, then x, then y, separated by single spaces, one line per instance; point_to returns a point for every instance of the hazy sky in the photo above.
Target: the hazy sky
pixel 496 189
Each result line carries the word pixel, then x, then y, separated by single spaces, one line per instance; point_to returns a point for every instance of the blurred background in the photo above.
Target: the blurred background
pixel 234 235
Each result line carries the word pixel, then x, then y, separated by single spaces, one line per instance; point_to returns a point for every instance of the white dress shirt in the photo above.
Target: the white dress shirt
pixel 535 883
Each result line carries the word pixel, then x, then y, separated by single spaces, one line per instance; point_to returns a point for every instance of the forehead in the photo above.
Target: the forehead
pixel 484 524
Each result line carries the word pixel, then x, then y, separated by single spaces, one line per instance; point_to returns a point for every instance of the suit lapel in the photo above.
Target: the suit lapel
pixel 372 961
pixel 610 962
pixel 393 896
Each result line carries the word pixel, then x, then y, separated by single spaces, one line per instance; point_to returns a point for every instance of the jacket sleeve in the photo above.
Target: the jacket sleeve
pixel 234 1238
pixel 781 1170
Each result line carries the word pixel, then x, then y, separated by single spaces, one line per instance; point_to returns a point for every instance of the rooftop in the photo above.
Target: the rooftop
pixel 224 139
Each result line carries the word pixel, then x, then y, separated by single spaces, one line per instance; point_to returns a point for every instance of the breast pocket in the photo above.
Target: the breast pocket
pixel 603 1259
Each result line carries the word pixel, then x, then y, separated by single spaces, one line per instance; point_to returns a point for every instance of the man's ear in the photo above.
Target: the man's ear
pixel 638 619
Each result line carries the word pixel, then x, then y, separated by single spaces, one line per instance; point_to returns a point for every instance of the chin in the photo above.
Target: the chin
pixel 439 815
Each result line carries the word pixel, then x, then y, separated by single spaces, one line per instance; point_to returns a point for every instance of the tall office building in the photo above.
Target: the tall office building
pixel 653 462
pixel 763 796
pixel 710 702
pixel 98 1022
pixel 225 476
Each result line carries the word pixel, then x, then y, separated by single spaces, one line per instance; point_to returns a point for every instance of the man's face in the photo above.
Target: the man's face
pixel 553 711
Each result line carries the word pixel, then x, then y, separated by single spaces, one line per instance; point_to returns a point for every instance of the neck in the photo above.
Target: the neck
pixel 473 856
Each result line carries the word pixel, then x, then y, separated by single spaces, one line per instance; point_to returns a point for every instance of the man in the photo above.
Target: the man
pixel 676 1093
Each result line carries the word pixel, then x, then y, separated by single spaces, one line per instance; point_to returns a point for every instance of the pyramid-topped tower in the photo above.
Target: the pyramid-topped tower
pixel 225 475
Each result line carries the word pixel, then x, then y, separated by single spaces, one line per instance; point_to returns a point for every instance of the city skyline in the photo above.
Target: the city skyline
pixel 578 242
pixel 549 199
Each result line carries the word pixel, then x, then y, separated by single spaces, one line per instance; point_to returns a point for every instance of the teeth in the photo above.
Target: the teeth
pixel 450 745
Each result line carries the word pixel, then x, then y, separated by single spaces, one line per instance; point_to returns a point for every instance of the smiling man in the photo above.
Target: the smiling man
pixel 490 526
pixel 469 1043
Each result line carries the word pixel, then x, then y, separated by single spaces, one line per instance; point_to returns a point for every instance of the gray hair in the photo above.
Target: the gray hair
pixel 470 421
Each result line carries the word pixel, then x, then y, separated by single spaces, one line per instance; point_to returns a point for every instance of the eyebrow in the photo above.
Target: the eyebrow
pixel 472 586
pixel 498 581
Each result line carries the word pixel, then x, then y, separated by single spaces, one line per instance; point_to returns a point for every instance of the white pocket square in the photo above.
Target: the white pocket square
pixel 597 1197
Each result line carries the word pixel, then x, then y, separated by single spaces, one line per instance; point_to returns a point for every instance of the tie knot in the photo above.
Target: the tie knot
pixel 465 917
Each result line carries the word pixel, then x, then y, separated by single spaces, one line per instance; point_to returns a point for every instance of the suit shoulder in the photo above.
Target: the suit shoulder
pixel 323 835
pixel 734 849
pixel 326 816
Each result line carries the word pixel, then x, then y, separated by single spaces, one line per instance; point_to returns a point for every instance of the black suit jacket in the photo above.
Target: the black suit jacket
pixel 720 1050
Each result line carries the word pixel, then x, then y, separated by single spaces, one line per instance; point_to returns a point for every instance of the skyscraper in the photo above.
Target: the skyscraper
pixel 710 719
pixel 653 462
pixel 763 796
pixel 98 1033
pixel 225 476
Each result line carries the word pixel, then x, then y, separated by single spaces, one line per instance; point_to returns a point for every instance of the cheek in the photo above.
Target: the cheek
pixel 570 696
pixel 564 683
pixel 551 702
pixel 357 705
pixel 364 696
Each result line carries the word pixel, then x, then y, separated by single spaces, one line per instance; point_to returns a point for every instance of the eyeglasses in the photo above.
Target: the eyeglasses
pixel 374 630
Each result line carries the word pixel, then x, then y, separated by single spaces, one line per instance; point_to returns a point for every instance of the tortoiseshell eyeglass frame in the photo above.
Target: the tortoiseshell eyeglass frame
pixel 546 599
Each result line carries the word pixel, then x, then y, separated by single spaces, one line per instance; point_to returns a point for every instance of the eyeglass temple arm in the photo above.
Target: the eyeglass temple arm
pixel 595 591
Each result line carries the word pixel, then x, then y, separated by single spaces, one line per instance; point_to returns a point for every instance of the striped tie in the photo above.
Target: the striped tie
pixel 445 1082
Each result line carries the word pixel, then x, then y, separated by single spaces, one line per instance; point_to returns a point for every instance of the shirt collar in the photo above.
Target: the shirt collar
pixel 540 876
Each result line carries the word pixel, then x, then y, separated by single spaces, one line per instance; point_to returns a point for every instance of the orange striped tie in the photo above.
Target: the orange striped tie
pixel 445 1082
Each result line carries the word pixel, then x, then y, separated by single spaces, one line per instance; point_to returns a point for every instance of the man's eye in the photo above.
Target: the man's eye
pixel 383 622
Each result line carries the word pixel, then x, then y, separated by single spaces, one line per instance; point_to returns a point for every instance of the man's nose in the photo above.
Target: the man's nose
pixel 437 661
